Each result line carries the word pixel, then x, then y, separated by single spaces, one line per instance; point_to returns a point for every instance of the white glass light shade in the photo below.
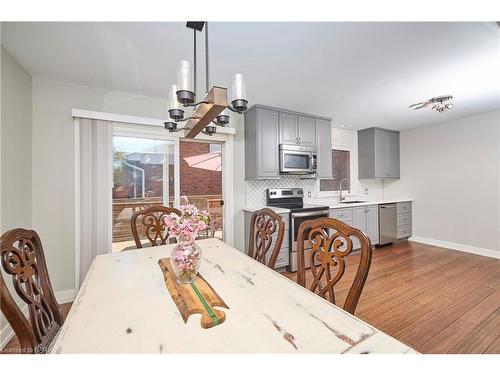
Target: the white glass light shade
pixel 172 102
pixel 238 89
pixel 185 76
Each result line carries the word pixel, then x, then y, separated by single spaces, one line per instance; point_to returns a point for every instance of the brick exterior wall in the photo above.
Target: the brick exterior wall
pixel 197 181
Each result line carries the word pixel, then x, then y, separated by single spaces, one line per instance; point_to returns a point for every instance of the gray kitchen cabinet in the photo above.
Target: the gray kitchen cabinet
pixel 378 153
pixel 261 143
pixel 403 220
pixel 324 144
pixel 297 130
pixel 267 127
pixel 307 131
pixel 288 128
pixel 372 230
pixel 365 218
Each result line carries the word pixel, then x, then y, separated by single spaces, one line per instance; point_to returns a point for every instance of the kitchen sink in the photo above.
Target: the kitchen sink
pixel 348 202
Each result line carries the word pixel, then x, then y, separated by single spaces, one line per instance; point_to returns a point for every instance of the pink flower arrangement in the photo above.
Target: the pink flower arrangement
pixel 187 226
pixel 186 256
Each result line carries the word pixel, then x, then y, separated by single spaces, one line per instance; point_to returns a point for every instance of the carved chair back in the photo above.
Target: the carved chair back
pixel 150 223
pixel 331 241
pixel 22 257
pixel 263 224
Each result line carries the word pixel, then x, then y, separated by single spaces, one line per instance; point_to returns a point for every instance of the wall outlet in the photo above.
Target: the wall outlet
pixel 366 191
pixel 308 194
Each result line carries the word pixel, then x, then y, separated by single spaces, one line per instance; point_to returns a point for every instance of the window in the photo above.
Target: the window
pixel 340 169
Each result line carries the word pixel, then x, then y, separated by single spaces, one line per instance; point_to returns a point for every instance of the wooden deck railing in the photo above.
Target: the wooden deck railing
pixel 124 208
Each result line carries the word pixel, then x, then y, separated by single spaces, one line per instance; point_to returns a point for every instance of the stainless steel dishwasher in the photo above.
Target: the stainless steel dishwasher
pixel 388 222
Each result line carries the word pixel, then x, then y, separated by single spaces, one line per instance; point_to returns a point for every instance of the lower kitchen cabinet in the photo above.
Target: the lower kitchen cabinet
pixel 365 218
pixel 404 221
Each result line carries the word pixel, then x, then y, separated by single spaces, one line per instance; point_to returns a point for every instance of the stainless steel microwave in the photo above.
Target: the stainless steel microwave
pixel 296 159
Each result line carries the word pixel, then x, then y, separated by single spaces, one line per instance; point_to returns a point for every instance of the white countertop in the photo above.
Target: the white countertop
pixel 333 203
pixel 278 210
pixel 124 307
pixel 337 204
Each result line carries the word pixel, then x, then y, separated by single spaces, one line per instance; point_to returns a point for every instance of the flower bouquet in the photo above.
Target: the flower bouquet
pixel 186 255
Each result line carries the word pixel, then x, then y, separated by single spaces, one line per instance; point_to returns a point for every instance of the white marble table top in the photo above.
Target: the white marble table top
pixel 123 306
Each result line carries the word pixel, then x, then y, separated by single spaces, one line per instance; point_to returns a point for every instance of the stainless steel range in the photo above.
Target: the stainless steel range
pixel 293 199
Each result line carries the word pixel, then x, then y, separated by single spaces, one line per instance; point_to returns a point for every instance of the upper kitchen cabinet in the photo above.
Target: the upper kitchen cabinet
pixel 266 128
pixel 261 143
pixel 378 153
pixel 324 144
pixel 288 126
pixel 297 130
pixel 307 131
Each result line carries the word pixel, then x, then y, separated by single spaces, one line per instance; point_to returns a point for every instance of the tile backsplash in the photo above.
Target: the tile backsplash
pixel 344 139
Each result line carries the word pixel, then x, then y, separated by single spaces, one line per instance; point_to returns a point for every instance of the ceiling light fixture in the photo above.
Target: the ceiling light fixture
pixel 212 110
pixel 438 103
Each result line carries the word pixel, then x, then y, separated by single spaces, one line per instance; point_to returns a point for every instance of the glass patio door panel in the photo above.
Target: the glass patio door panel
pixel 143 176
pixel 201 181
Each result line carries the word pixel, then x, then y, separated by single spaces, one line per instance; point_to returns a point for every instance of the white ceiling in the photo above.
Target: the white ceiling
pixel 360 74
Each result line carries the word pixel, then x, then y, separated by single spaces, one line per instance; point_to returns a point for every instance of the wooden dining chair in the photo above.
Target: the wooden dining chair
pixel 150 223
pixel 331 241
pixel 263 224
pixel 22 257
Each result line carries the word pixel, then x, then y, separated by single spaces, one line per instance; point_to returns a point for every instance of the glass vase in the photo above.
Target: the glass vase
pixel 185 259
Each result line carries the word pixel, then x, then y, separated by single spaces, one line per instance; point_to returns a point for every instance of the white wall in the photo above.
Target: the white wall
pixel 15 153
pixel 16 144
pixel 452 170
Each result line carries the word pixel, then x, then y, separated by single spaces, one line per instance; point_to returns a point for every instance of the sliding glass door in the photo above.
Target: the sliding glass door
pixel 143 176
pixel 201 181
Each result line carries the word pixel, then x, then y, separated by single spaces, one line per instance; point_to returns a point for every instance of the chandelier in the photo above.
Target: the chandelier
pixel 211 111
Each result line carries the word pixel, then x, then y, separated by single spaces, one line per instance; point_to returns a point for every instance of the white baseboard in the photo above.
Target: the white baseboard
pixel 63 296
pixel 457 246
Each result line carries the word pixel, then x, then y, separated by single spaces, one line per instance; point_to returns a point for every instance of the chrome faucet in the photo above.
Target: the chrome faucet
pixel 341 198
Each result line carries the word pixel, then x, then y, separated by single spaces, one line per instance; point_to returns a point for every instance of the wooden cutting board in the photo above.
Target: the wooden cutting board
pixel 196 298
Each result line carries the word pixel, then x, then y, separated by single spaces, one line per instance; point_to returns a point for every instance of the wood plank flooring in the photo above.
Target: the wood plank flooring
pixel 433 299
pixel 436 300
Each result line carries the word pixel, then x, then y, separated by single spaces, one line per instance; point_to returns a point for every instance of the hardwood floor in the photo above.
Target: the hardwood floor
pixel 433 299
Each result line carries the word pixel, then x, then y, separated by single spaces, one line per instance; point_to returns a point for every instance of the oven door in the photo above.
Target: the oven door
pixel 296 162
pixel 298 218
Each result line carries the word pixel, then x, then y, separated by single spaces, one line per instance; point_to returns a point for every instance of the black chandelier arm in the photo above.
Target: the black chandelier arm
pixel 195 104
pixel 186 119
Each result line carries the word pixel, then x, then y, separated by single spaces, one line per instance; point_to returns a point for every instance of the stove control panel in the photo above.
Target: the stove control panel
pixel 285 193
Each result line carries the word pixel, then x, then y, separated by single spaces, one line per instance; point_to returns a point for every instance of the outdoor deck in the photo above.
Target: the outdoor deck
pixel 124 208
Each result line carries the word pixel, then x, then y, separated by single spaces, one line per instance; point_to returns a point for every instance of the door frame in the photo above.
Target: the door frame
pixel 136 126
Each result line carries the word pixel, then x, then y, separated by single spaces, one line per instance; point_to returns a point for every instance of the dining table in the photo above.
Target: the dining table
pixel 124 306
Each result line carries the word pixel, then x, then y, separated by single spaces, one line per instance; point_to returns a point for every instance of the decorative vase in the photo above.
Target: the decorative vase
pixel 185 259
